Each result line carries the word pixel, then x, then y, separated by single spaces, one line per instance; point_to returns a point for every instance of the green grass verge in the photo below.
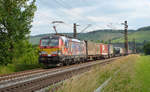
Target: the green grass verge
pixel 135 77
pixel 124 81
pixel 91 80
pixel 143 73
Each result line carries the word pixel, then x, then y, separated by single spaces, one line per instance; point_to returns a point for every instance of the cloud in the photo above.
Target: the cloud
pixel 77 13
pixel 42 21
pixel 95 12
pixel 100 19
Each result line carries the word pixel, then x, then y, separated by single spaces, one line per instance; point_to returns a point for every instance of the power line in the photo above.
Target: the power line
pixel 70 25
pixel 60 4
pixel 60 14
pixel 89 25
pixel 66 6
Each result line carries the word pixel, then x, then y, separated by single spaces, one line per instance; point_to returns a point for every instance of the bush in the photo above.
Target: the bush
pixel 25 57
pixel 147 48
pixel 25 53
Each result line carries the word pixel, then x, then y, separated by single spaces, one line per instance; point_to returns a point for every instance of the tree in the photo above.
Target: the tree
pixel 147 48
pixel 15 24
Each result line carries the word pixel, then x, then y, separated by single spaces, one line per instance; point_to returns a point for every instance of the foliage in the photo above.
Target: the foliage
pixel 147 48
pixel 116 36
pixel 15 23
pixel 139 49
pixel 96 36
pixel 27 60
pixel 144 28
pixel 139 36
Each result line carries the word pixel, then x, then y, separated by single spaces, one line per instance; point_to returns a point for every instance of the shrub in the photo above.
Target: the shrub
pixel 147 48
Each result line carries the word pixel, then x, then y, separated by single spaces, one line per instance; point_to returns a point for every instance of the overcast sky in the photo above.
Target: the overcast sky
pixel 101 14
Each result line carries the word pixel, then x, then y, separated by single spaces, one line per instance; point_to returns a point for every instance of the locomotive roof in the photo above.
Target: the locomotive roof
pixel 73 39
pixel 63 37
pixel 76 40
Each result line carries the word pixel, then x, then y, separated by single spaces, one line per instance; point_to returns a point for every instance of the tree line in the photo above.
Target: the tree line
pixel 16 17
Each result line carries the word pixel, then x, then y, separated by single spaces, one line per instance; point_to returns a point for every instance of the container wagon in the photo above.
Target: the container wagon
pixel 91 50
pixel 118 51
pixel 110 50
pixel 103 50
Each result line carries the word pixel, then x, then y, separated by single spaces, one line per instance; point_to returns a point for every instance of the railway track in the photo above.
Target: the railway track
pixel 30 81
pixel 17 74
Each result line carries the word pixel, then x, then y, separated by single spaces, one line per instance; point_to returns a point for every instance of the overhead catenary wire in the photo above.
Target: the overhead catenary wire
pixel 66 6
pixel 71 25
pixel 66 3
pixel 89 25
pixel 59 12
pixel 61 4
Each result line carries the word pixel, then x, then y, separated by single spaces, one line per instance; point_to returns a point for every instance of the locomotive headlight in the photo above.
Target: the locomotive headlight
pixel 43 52
pixel 59 52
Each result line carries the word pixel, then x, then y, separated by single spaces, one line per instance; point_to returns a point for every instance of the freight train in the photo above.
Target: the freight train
pixel 59 50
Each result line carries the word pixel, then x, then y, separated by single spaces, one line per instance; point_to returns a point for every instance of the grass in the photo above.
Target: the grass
pixel 91 80
pixel 123 81
pixel 135 77
pixel 143 73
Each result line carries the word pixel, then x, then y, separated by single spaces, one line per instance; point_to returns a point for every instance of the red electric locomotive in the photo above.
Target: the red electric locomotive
pixel 61 50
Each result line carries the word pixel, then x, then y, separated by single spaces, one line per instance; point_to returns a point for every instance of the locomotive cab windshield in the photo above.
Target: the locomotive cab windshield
pixel 50 42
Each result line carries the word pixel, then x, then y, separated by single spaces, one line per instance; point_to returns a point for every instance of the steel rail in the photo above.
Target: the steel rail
pixel 42 80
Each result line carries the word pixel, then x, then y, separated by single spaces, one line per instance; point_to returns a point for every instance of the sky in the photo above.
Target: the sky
pixel 100 14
